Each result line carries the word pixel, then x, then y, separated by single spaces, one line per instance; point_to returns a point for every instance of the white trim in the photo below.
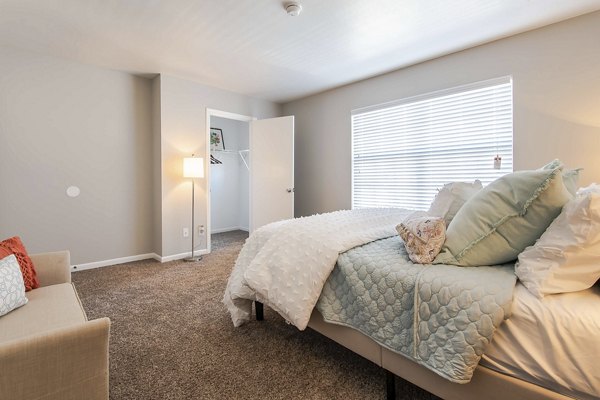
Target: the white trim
pixel 114 261
pixel 250 179
pixel 181 255
pixel 139 257
pixel 228 115
pixel 211 112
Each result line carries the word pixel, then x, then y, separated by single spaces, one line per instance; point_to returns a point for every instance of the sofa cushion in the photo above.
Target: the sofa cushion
pixel 12 289
pixel 14 246
pixel 49 307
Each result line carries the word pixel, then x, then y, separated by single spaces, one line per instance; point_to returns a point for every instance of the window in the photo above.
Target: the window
pixel 404 151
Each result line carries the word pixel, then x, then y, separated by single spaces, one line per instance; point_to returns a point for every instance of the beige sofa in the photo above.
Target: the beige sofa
pixel 48 348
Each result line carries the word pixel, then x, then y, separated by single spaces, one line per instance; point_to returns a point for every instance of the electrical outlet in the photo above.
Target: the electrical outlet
pixel 200 230
pixel 186 232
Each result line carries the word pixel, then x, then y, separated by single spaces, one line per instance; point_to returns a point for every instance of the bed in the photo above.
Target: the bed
pixel 522 371
pixel 460 333
pixel 505 371
pixel 567 323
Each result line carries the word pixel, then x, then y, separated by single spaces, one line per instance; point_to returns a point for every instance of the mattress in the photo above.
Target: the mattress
pixel 554 342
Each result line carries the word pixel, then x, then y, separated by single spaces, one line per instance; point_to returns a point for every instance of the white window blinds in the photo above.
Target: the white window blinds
pixel 404 151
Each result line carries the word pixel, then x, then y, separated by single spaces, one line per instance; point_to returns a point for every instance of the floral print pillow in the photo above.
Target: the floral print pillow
pixel 423 237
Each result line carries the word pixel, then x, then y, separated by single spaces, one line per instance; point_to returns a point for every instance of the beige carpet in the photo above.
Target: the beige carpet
pixel 171 338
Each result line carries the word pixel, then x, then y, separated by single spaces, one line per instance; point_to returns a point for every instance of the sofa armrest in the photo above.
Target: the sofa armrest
pixel 52 268
pixel 66 363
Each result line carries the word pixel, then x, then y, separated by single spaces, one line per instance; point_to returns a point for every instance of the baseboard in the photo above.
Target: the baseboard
pixel 232 228
pixel 180 255
pixel 114 261
pixel 139 257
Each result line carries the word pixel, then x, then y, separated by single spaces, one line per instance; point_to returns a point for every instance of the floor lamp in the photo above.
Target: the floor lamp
pixel 193 167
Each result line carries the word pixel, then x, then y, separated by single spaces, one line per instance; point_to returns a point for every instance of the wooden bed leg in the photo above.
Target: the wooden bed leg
pixel 390 385
pixel 259 311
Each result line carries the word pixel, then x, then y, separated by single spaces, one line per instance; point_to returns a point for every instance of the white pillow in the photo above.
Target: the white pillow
pixel 451 197
pixel 566 258
pixel 593 188
pixel 12 287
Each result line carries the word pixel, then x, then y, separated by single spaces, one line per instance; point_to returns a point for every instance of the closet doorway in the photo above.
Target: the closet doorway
pixel 251 171
pixel 229 182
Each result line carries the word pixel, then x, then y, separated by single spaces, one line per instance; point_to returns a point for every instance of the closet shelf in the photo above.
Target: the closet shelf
pixel 239 152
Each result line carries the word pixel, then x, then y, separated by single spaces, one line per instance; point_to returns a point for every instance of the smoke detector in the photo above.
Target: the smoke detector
pixel 293 9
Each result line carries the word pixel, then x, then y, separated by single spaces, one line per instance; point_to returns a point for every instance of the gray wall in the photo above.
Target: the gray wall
pixel 183 132
pixel 556 81
pixel 120 138
pixel 63 124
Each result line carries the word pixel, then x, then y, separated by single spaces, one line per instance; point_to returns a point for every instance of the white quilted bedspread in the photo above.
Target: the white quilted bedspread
pixel 285 264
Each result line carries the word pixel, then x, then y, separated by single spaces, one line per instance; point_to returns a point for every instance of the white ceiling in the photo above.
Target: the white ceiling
pixel 253 47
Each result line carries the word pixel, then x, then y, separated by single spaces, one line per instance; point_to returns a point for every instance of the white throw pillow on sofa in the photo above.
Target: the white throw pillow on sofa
pixel 566 258
pixel 12 288
pixel 451 197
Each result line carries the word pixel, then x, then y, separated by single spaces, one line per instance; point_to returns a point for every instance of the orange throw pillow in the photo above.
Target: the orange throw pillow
pixel 15 246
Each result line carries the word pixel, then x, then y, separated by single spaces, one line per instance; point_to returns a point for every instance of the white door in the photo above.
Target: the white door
pixel 271 171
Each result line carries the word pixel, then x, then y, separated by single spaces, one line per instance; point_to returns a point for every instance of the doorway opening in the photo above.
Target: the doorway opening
pixel 228 143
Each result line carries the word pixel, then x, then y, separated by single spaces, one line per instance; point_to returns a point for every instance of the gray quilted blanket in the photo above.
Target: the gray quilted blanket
pixel 440 316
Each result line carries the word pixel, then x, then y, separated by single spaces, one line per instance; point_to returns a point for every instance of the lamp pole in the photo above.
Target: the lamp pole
pixel 193 224
pixel 193 168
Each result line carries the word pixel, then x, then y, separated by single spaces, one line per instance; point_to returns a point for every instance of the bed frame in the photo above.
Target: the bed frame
pixel 486 383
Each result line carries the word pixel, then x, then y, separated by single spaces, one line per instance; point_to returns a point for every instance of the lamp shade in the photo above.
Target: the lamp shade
pixel 193 167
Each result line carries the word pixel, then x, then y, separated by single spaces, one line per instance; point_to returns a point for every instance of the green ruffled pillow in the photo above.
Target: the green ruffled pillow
pixel 570 176
pixel 503 218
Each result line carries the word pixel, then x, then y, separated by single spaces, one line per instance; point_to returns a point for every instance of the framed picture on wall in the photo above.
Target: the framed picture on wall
pixel 216 139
